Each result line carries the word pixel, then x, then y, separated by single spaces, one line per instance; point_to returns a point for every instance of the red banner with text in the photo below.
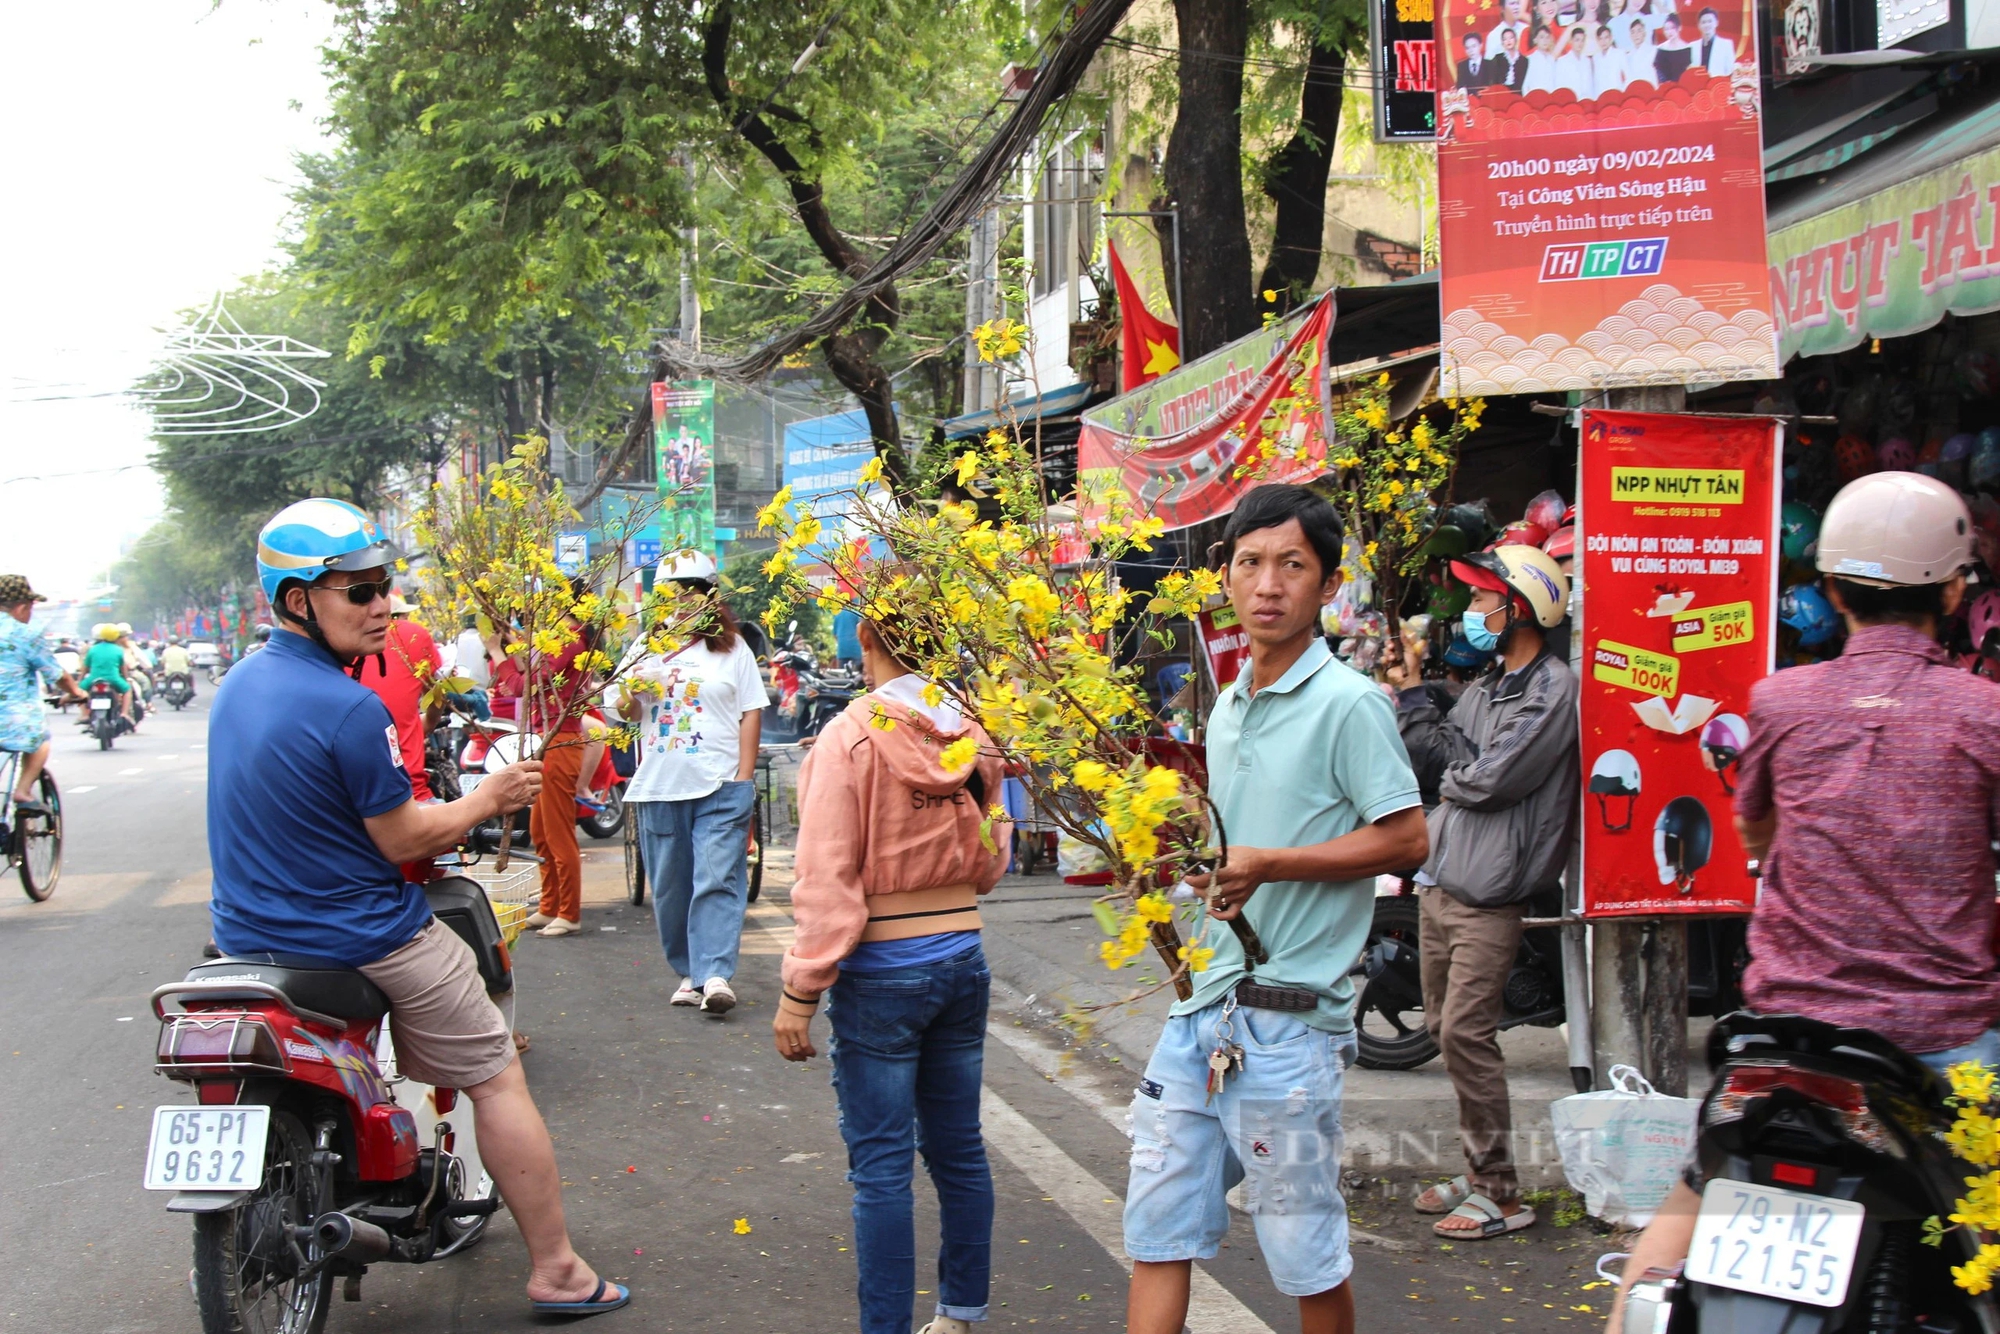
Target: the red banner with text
pixel 1600 196
pixel 1678 555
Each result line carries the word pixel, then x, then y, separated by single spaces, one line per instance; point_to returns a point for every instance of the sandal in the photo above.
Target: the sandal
pixel 1450 1194
pixel 522 1041
pixel 1486 1213
pixel 597 1304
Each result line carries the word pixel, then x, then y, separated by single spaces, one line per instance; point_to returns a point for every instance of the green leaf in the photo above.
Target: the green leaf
pixel 1107 917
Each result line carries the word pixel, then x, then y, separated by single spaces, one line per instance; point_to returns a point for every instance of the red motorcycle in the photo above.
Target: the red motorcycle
pixel 305 1156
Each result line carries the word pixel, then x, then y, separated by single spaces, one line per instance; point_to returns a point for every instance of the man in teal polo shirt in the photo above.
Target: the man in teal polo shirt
pixel 1317 799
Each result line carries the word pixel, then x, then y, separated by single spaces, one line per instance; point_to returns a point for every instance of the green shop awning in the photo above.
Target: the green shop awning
pixel 1890 244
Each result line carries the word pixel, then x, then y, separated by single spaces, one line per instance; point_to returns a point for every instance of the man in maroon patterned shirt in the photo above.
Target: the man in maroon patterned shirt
pixel 1870 791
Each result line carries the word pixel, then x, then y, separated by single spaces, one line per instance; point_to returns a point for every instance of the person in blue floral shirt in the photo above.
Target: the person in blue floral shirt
pixel 25 662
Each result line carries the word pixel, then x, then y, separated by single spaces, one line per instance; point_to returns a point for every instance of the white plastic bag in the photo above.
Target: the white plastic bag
pixel 1622 1149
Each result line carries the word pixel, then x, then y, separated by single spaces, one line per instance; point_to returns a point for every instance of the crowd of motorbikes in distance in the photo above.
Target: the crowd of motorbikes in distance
pixel 101 715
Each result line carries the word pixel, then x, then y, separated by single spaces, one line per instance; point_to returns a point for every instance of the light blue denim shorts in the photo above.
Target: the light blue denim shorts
pixel 1275 1127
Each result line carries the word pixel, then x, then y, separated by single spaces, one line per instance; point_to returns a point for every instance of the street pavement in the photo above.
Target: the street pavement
pixel 670 1126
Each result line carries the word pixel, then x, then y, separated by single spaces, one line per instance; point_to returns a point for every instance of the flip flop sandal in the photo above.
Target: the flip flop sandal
pixel 1492 1222
pixel 597 1305
pixel 1450 1194
pixel 522 1041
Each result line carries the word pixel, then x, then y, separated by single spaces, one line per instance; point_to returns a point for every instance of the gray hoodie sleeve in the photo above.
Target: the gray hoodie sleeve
pixel 1526 750
pixel 1432 736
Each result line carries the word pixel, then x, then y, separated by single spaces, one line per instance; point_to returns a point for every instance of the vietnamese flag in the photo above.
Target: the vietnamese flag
pixel 1148 347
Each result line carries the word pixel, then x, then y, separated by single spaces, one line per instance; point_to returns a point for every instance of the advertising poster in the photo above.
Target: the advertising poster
pixel 1600 196
pixel 824 457
pixel 1173 444
pixel 1678 523
pixel 1403 46
pixel 684 444
pixel 1224 643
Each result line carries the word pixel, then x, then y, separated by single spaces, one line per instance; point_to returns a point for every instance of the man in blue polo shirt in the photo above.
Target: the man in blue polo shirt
pixel 310 817
pixel 1317 799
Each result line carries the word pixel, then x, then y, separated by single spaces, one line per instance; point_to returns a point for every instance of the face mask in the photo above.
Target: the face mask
pixel 1476 634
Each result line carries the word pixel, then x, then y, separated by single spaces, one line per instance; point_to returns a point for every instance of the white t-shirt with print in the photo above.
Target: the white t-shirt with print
pixel 689 737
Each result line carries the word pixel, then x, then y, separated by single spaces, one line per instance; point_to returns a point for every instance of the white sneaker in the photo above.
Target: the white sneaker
pixel 946 1324
pixel 716 997
pixel 689 993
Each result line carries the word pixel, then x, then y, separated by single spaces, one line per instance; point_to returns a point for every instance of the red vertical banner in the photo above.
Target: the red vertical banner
pixel 1678 521
pixel 1600 196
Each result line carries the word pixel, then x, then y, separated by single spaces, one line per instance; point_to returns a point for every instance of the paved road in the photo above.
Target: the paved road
pixel 670 1127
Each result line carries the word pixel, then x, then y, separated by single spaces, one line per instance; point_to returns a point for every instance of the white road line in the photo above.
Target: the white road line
pixel 79 791
pixel 1212 1308
pixel 127 773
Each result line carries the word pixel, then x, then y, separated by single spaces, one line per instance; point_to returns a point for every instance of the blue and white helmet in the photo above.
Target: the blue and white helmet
pixel 307 539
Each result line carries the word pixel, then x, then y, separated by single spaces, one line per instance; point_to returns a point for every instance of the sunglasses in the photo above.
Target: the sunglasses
pixel 363 594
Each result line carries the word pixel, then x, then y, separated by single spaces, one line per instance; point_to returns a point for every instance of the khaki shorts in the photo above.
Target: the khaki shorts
pixel 447 1031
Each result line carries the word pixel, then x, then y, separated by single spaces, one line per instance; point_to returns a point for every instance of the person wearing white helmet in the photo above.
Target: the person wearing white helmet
pixel 700 715
pixel 311 817
pixel 1504 765
pixel 1869 793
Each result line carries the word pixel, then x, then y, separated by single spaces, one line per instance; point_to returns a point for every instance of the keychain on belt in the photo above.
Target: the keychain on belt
pixel 1227 1054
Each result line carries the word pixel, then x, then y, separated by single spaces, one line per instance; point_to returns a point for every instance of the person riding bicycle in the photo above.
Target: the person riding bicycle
pixel 25 662
pixel 310 814
pixel 105 662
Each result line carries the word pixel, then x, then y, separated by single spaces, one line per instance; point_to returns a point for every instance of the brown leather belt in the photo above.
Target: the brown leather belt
pixel 921 912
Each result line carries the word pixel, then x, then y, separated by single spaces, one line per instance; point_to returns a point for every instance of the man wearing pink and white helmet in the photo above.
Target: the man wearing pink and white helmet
pixel 1870 792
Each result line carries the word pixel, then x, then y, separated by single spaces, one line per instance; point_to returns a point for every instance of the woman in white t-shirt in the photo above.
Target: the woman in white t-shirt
pixel 699 721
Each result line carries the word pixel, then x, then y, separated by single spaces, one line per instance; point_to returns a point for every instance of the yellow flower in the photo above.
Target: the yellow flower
pixel 1981 1206
pixel 1144 530
pixel 871 471
pixel 1154 908
pixel 742 1227
pixel 959 754
pixel 877 718
pixel 1091 776
pixel 1971 1081
pixel 1976 1274
pixel 1197 957
pixel 968 467
pixel 931 694
pixel 1975 1136
pixel 774 514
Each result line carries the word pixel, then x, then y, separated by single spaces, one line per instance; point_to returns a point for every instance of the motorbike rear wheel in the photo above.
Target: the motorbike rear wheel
pixel 1389 1012
pixel 246 1261
pixel 635 864
pixel 38 845
pixel 607 822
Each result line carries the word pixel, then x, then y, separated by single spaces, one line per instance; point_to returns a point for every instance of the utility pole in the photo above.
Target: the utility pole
pixel 982 303
pixel 1639 965
pixel 690 301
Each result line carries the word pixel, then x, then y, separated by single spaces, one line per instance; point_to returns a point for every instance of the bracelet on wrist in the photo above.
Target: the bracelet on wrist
pixel 810 1002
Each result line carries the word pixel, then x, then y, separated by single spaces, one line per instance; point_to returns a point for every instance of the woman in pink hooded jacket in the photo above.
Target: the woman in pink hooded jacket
pixel 891 863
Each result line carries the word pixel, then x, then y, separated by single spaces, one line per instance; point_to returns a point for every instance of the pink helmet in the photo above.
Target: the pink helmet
pixel 1896 454
pixel 1982 621
pixel 1895 528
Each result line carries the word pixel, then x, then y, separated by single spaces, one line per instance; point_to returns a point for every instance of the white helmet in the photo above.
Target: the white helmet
pixel 1895 528
pixel 1527 572
pixel 698 566
pixel 1615 776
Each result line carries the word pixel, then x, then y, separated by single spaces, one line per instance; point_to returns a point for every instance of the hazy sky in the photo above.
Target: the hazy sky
pixel 146 164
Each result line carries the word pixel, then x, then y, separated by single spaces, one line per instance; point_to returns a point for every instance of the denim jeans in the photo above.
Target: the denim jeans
pixel 696 853
pixel 1984 1048
pixel 908 1055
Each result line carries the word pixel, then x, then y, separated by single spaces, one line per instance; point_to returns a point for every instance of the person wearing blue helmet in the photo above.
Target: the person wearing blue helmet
pixel 311 817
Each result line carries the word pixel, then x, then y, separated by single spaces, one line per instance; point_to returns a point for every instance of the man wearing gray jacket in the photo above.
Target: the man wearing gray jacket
pixel 1504 766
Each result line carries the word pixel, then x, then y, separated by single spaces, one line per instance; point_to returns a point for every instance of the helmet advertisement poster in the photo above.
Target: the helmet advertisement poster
pixel 1680 549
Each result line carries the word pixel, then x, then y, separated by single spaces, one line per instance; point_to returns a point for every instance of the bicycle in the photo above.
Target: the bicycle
pixel 33 842
pixel 760 838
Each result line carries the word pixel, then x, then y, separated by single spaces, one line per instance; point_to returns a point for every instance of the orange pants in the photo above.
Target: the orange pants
pixel 552 824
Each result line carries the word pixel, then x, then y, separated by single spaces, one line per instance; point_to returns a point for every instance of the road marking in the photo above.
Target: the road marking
pixel 127 773
pixel 1212 1308
pixel 79 791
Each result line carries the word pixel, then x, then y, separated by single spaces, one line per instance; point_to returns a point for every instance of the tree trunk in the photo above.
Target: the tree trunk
pixel 1203 175
pixel 1295 180
pixel 850 354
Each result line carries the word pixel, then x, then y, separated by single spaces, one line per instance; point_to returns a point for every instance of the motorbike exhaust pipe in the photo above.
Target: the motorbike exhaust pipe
pixel 350 1237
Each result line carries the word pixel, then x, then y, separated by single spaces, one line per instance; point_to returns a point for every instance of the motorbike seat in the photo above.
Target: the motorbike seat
pixel 313 984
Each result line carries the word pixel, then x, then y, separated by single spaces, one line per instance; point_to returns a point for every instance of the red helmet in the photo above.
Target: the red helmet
pixel 1852 458
pixel 1562 543
pixel 1522 534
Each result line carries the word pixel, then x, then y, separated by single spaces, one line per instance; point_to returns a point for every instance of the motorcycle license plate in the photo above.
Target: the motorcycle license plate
pixel 1775 1243
pixel 207 1148
pixel 469 783
pixel 100 706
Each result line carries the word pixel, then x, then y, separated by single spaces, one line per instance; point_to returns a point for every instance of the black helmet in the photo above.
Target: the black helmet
pixel 262 634
pixel 1683 837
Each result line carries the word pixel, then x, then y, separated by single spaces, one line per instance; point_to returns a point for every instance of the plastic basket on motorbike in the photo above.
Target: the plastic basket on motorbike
pixel 513 893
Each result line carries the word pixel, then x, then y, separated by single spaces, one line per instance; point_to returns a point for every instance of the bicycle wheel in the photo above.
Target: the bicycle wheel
pixel 635 867
pixel 755 854
pixel 38 843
